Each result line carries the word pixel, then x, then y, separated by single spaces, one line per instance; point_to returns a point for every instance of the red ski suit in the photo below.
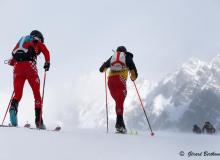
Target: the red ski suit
pixel 117 81
pixel 118 90
pixel 27 70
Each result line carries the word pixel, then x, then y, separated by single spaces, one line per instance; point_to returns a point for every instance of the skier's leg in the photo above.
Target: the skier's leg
pixel 120 98
pixel 13 112
pixel 18 86
pixel 112 86
pixel 34 82
pixel 117 87
pixel 120 94
pixel 18 90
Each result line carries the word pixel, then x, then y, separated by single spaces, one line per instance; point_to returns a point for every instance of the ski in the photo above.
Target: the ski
pixel 2 125
pixel 130 132
pixel 58 128
pixel 27 125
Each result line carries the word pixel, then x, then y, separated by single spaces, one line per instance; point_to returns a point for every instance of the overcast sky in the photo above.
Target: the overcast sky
pixel 80 34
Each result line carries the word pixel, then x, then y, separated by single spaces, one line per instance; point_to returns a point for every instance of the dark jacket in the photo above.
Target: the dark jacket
pixel 129 63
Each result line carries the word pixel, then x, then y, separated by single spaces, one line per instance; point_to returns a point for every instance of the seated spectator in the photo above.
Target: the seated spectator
pixel 197 129
pixel 208 128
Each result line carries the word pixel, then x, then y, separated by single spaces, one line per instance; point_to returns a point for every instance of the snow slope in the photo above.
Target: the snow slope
pixel 82 144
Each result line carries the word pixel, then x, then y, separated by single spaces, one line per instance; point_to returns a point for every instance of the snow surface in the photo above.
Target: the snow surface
pixel 96 144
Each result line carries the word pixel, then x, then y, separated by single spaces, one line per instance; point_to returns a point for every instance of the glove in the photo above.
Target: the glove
pixel 133 75
pixel 10 62
pixel 46 66
pixel 103 68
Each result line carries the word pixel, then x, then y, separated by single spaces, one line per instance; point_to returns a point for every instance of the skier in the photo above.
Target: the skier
pixel 197 129
pixel 24 57
pixel 208 128
pixel 119 63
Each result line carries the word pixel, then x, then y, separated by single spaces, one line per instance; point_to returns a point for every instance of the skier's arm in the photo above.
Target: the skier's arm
pixel 45 52
pixel 11 61
pixel 105 65
pixel 131 66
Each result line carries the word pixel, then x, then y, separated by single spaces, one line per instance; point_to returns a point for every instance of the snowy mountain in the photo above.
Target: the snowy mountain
pixel 189 96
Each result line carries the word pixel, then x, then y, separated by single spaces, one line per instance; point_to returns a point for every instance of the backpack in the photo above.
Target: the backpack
pixel 24 54
pixel 118 62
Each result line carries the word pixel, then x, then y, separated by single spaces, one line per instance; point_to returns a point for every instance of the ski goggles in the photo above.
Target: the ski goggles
pixel 36 38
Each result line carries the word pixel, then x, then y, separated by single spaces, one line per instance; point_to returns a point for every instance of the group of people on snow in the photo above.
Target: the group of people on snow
pixel 24 59
pixel 207 128
pixel 120 64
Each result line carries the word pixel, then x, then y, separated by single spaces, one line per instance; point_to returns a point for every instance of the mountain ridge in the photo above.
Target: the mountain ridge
pixel 188 96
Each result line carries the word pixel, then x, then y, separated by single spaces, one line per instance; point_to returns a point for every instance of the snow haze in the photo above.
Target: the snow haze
pixel 80 35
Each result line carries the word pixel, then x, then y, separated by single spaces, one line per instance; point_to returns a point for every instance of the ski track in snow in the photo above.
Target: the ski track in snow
pixel 96 144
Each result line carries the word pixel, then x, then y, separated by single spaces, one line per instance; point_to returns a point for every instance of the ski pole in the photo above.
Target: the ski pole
pixel 8 107
pixel 152 133
pixel 106 101
pixel 45 75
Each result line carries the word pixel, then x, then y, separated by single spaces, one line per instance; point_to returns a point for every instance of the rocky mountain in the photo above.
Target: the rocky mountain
pixel 189 96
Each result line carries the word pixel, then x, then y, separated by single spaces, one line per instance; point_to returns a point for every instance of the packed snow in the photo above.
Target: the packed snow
pixel 96 144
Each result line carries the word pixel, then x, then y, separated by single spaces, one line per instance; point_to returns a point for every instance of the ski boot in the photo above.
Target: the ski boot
pixel 13 112
pixel 120 126
pixel 38 119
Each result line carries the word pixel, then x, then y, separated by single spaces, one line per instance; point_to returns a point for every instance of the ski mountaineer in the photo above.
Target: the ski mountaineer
pixel 208 128
pixel 196 129
pixel 24 57
pixel 119 63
